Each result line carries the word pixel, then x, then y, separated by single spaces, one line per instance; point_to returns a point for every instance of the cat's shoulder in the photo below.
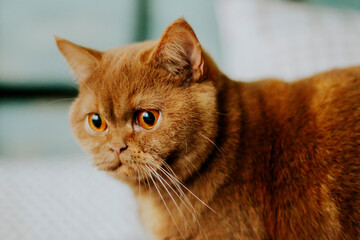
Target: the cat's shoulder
pixel 338 82
pixel 341 86
pixel 339 77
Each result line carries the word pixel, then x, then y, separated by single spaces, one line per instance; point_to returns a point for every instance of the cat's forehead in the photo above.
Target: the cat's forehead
pixel 126 67
pixel 124 56
pixel 125 82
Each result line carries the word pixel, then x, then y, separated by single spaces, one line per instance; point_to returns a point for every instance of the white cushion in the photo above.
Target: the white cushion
pixel 64 198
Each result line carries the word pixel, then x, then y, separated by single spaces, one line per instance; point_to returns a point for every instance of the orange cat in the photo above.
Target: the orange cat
pixel 211 158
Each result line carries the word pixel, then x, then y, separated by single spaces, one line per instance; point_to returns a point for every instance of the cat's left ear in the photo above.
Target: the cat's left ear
pixel 81 59
pixel 179 50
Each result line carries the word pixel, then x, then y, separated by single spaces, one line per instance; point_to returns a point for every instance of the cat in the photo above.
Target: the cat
pixel 212 158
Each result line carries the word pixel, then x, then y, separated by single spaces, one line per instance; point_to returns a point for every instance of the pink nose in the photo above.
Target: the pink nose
pixel 118 148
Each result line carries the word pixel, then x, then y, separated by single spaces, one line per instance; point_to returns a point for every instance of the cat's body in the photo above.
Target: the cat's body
pixel 262 160
pixel 291 156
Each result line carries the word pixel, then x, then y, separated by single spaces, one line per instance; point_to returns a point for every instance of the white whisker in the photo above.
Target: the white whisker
pixel 177 206
pixel 210 141
pixel 162 198
pixel 177 180
pixel 187 204
pixel 60 100
pixel 138 173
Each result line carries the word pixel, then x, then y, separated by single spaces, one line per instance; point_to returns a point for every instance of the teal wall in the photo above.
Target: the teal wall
pixel 354 4
pixel 35 128
pixel 28 54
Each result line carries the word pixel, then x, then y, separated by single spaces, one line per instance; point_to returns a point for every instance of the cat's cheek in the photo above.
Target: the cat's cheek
pixel 91 146
pixel 89 143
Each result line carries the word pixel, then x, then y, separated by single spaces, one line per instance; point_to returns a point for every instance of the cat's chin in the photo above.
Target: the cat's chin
pixel 126 172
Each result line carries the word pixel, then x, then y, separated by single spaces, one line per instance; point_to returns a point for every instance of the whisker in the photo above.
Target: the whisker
pixel 163 162
pixel 220 113
pixel 176 179
pixel 187 167
pixel 138 174
pixel 186 151
pixel 60 100
pixel 145 174
pixel 165 172
pixel 163 200
pixel 171 178
pixel 210 141
pixel 177 206
pixel 147 179
pixel 187 204
pixel 177 186
pixel 193 165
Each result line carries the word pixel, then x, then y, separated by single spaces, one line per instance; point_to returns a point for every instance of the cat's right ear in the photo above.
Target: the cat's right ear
pixel 82 60
pixel 179 50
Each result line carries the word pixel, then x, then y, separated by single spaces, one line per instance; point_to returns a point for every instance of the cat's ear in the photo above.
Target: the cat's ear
pixel 179 50
pixel 82 60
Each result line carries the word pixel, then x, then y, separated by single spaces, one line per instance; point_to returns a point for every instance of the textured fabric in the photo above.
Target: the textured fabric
pixel 64 198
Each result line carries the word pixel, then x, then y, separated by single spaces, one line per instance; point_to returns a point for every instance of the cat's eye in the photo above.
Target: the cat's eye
pixel 96 122
pixel 147 119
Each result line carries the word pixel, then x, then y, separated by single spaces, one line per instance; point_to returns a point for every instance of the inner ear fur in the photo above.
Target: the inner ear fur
pixel 179 50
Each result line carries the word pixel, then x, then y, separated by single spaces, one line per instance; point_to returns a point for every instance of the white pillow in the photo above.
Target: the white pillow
pixel 263 38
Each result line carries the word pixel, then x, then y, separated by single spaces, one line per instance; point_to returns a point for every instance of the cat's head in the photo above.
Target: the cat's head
pixel 145 106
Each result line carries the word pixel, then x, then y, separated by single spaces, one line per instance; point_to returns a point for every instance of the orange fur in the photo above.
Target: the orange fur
pixel 268 159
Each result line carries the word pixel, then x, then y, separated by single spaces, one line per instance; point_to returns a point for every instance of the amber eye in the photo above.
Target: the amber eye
pixel 96 122
pixel 148 118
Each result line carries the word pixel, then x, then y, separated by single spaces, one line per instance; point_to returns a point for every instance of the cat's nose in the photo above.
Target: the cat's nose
pixel 118 148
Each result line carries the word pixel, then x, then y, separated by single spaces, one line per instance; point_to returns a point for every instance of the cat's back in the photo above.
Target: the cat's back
pixel 327 98
pixel 334 109
pixel 303 141
pixel 337 99
pixel 337 107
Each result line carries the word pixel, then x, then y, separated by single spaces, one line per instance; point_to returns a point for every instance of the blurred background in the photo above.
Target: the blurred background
pixel 48 188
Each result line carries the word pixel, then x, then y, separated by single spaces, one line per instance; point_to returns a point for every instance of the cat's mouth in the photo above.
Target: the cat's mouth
pixel 115 167
pixel 129 166
pixel 129 163
pixel 125 166
pixel 109 167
